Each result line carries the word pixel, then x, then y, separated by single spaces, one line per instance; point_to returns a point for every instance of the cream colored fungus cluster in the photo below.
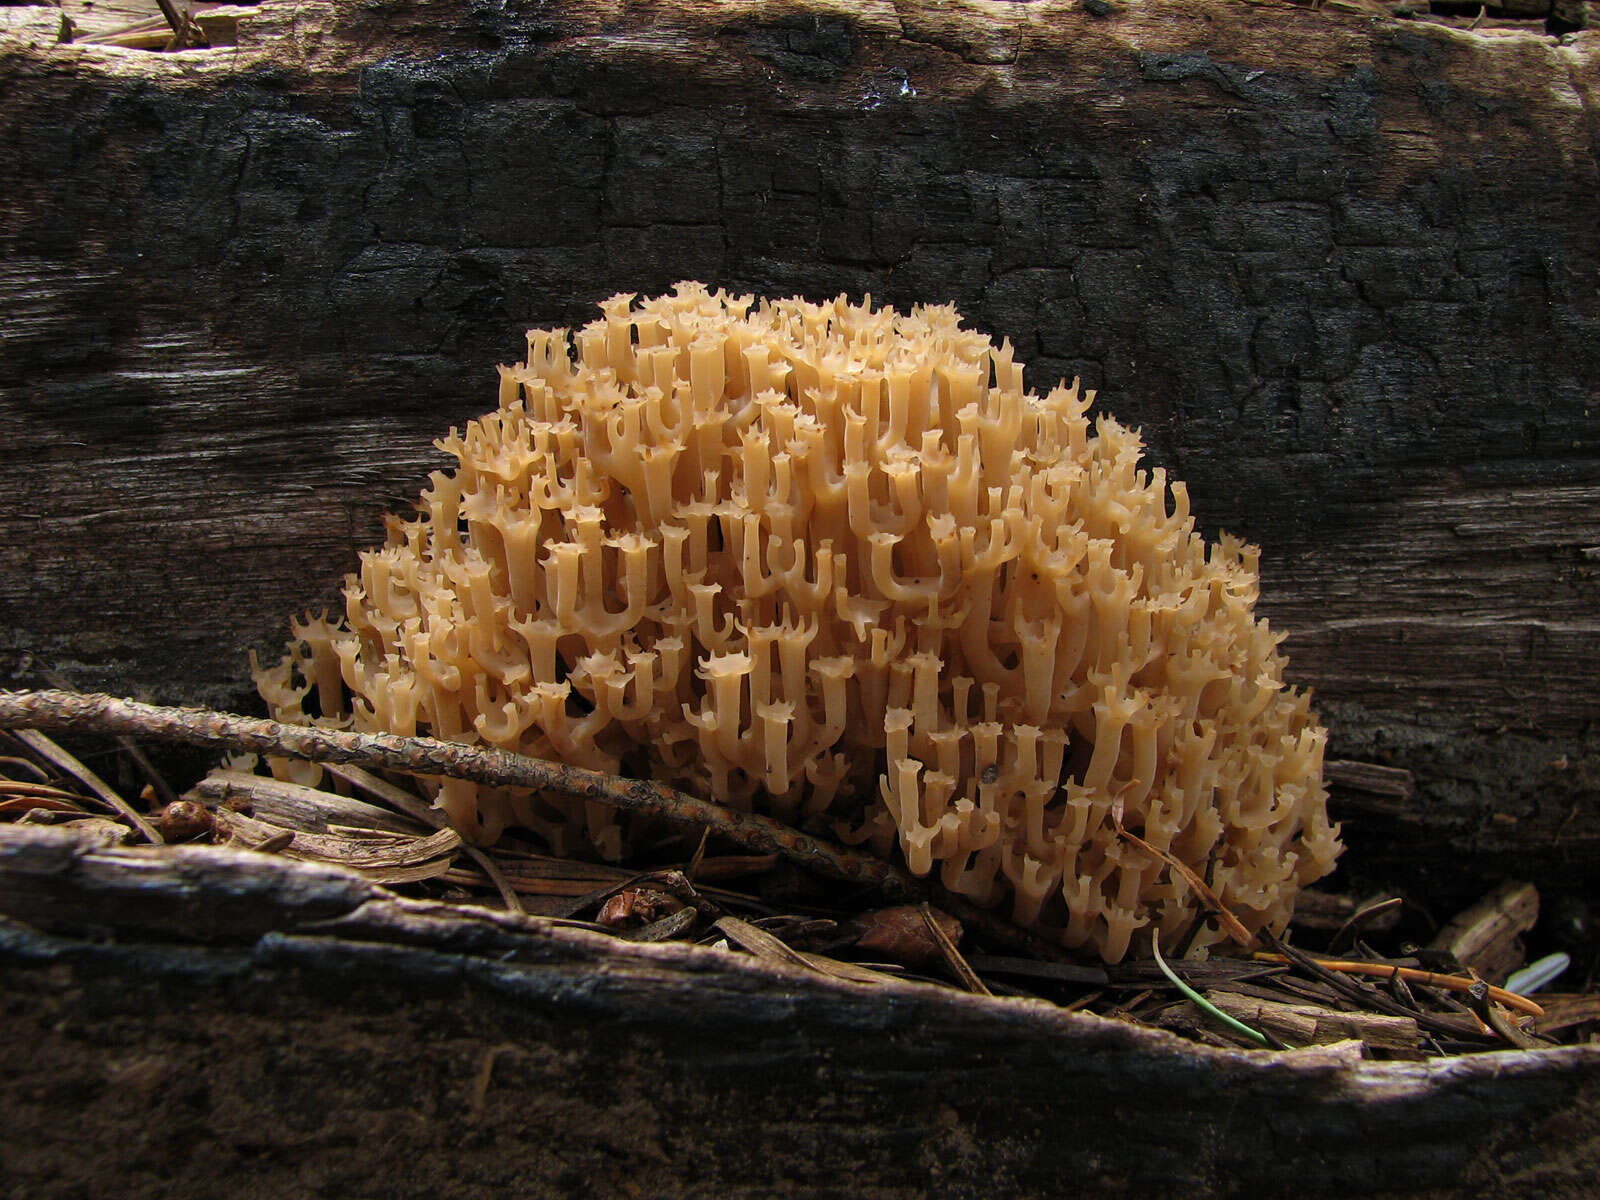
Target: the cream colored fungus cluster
pixel 833 563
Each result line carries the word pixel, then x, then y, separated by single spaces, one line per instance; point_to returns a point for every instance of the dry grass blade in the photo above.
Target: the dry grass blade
pixel 698 857
pixel 763 945
pixel 396 797
pixel 151 33
pixel 952 956
pixel 47 794
pixel 994 929
pixel 63 761
pixel 163 789
pixel 12 762
pixel 1230 923
pixel 27 804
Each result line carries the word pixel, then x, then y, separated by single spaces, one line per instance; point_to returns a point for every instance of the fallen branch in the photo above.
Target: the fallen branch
pixel 89 712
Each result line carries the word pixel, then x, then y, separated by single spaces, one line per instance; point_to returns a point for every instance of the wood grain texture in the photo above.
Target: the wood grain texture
pixel 1341 271
pixel 288 1029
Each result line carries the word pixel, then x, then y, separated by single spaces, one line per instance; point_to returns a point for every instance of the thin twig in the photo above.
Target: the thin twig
pixel 693 868
pixel 174 18
pixel 426 756
pixel 1359 918
pixel 185 30
pixel 1231 924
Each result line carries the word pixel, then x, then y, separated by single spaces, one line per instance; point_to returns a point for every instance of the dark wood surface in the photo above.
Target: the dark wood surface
pixel 202 1022
pixel 1342 271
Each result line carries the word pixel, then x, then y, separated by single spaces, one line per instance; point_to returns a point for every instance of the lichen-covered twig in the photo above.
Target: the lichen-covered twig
pixel 47 709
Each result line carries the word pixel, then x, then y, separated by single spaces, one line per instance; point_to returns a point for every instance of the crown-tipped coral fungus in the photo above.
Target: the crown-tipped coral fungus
pixel 836 564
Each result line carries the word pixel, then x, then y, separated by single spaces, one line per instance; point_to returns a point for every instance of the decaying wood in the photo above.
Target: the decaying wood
pixel 292 806
pixel 392 858
pixel 1391 783
pixel 1306 1025
pixel 1565 1011
pixel 1339 268
pixel 294 1025
pixel 1485 936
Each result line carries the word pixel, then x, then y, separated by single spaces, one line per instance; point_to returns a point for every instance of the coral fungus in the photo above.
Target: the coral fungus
pixel 836 564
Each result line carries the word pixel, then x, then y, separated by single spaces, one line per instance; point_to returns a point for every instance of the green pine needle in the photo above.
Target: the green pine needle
pixel 1201 1002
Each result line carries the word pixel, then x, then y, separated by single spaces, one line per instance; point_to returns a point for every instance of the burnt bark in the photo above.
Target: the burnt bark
pixel 1340 270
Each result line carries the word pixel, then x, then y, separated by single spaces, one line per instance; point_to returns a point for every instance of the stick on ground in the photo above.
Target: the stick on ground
pixel 90 712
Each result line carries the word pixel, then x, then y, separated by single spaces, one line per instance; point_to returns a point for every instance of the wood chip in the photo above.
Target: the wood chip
pixel 1483 938
pixel 294 806
pixel 673 925
pixel 399 858
pixel 1307 1025
pixel 420 810
pixel 98 831
pixel 1562 1011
